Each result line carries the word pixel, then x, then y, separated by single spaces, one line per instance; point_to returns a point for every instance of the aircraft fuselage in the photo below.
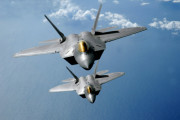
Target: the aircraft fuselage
pixel 86 50
pixel 88 87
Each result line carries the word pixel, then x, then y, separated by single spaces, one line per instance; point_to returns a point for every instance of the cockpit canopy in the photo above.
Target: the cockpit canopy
pixel 90 93
pixel 89 90
pixel 83 46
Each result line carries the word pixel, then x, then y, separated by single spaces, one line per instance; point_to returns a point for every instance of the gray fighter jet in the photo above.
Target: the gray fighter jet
pixel 83 48
pixel 89 86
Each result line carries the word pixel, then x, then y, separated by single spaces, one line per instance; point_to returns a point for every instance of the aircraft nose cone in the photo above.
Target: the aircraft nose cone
pixel 91 97
pixel 92 100
pixel 87 65
pixel 85 60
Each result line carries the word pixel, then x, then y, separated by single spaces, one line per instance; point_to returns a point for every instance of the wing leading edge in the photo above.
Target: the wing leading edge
pixel 64 87
pixel 108 77
pixel 45 49
pixel 113 35
pixel 64 49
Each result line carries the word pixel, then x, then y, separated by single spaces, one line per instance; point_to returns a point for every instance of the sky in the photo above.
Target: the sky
pixel 148 91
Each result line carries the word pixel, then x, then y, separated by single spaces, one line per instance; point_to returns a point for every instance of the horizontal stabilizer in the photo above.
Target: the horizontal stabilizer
pixel 69 80
pixel 102 72
pixel 57 40
pixel 106 29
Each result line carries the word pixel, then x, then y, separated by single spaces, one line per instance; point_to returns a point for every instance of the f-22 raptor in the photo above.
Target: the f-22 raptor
pixel 89 86
pixel 83 48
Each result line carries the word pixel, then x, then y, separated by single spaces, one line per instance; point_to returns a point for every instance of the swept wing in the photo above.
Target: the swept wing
pixel 64 87
pixel 113 35
pixel 63 45
pixel 45 49
pixel 108 77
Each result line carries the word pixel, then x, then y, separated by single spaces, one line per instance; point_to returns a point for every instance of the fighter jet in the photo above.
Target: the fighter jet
pixel 83 48
pixel 89 86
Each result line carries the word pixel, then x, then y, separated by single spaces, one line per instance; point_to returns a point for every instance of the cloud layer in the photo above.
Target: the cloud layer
pixel 72 11
pixel 117 19
pixel 167 25
pixel 115 1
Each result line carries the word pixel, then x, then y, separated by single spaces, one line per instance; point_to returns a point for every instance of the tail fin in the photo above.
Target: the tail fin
pixel 77 79
pixel 57 30
pixel 99 74
pixel 96 20
pixel 95 71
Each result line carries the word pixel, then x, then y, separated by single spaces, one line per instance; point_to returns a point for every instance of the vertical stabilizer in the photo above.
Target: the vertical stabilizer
pixel 77 79
pixel 57 30
pixel 96 20
pixel 95 71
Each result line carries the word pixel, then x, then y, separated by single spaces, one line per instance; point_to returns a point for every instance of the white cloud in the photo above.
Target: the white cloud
pixel 165 24
pixel 83 15
pixel 144 3
pixel 74 12
pixel 115 1
pixel 174 1
pixel 118 19
pixel 65 8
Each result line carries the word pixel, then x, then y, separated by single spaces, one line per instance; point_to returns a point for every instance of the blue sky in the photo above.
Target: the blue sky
pixel 149 89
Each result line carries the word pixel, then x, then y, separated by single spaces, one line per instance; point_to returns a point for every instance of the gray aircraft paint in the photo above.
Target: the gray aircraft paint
pixel 67 46
pixel 88 86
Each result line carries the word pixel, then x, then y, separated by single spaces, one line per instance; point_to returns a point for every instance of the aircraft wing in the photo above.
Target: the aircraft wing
pixel 108 77
pixel 64 49
pixel 45 49
pixel 64 87
pixel 113 35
